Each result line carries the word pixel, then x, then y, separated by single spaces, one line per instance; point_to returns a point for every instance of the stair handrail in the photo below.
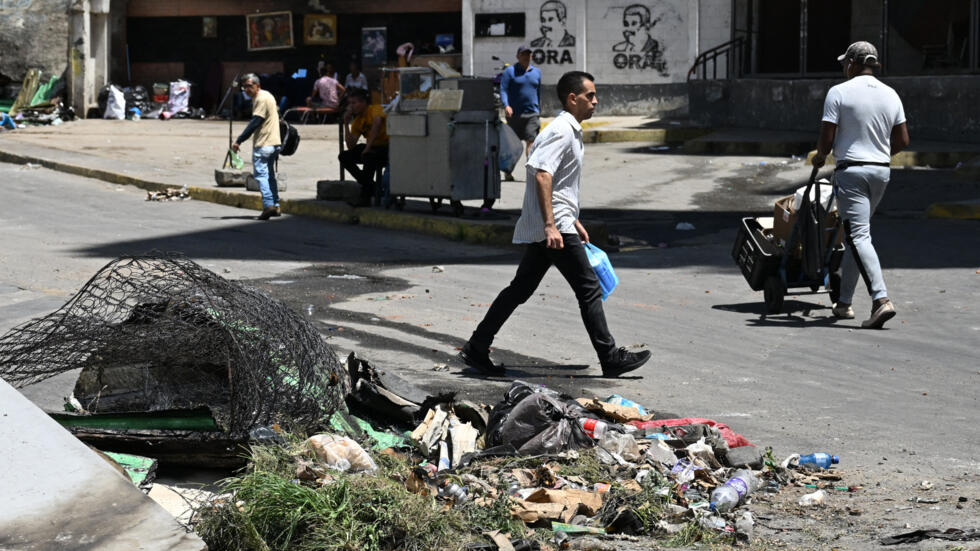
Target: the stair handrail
pixel 736 45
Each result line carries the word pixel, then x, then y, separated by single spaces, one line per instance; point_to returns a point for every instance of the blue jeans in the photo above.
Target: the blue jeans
pixel 859 190
pixel 263 168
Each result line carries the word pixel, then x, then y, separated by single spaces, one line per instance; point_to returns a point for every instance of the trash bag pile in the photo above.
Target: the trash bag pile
pixel 566 473
pixel 161 333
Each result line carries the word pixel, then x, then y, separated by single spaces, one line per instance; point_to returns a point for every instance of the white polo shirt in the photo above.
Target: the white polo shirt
pixel 558 150
pixel 865 110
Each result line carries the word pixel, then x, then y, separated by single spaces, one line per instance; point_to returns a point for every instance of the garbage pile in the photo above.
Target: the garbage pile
pixel 538 470
pixel 170 194
pixel 161 334
pixel 37 103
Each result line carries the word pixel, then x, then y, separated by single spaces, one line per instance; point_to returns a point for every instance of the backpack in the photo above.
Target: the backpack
pixel 290 138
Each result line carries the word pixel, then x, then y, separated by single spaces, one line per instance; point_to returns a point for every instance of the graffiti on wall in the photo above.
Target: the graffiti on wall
pixel 640 50
pixel 554 46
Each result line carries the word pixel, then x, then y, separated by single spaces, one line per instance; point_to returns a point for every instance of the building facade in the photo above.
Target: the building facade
pixel 639 52
pixel 784 59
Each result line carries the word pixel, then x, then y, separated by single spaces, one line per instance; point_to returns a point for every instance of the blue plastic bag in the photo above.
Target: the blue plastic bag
pixel 603 269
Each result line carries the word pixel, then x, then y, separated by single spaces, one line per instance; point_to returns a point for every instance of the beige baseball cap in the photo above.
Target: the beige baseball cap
pixel 862 53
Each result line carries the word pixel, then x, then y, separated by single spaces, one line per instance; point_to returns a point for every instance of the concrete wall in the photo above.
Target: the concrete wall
pixel 639 51
pixel 941 108
pixel 33 34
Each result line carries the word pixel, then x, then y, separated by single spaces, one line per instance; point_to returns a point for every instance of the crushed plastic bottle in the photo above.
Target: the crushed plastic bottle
pixel 735 490
pixel 593 427
pixel 454 492
pixel 822 460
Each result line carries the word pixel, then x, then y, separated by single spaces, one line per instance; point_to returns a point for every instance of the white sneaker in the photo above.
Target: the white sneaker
pixel 843 311
pixel 879 316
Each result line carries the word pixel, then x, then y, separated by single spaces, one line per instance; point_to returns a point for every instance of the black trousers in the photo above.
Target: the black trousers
pixel 574 265
pixel 375 159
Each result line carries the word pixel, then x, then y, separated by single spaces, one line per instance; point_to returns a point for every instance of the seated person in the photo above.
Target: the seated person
pixel 356 79
pixel 364 119
pixel 327 89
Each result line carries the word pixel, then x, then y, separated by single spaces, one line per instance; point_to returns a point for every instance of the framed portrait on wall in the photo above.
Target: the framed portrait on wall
pixel 269 31
pixel 319 29
pixel 209 27
pixel 374 45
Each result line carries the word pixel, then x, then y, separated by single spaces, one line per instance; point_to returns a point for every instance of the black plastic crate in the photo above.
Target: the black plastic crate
pixel 757 256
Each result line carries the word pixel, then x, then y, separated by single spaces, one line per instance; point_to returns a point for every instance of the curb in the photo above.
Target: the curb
pixel 455 229
pixel 593 132
pixel 961 210
pixel 932 159
pixel 654 135
pixel 769 149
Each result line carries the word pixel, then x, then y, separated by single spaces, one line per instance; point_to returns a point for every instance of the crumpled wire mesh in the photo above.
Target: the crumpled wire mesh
pixel 160 332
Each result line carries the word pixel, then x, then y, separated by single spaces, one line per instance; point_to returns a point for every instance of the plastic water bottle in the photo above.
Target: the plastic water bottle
pixel 822 460
pixel 593 427
pixel 733 492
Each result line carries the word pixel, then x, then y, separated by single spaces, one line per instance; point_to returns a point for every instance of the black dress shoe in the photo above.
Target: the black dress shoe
pixel 624 361
pixel 479 360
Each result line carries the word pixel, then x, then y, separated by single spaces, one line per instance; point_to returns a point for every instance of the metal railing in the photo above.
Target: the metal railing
pixel 733 65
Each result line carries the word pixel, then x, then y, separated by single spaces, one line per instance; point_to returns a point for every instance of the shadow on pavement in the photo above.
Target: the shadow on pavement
pixel 901 242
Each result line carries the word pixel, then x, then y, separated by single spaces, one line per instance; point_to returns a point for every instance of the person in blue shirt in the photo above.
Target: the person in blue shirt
pixel 520 89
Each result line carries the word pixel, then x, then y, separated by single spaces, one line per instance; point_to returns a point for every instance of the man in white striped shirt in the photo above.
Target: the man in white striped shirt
pixel 550 227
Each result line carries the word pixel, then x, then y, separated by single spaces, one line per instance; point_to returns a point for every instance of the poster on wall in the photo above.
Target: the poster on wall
pixel 319 29
pixel 209 27
pixel 269 31
pixel 374 45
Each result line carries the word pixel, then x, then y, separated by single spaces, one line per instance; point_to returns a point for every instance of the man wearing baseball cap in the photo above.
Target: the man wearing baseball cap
pixel 864 125
pixel 520 89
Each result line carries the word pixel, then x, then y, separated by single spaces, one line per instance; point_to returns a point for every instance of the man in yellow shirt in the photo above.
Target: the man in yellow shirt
pixel 266 143
pixel 364 119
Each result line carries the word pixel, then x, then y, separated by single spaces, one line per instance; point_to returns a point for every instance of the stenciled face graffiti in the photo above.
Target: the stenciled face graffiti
pixel 554 27
pixel 639 49
pixel 555 44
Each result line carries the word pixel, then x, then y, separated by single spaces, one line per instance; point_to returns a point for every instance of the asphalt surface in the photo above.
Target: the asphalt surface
pixel 900 404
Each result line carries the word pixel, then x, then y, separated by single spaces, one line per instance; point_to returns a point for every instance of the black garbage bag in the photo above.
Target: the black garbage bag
pixel 137 96
pixel 537 420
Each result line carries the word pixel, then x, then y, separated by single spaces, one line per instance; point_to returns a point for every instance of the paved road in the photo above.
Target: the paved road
pixel 899 404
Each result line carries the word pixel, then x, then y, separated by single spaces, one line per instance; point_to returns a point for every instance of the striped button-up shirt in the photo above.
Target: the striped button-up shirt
pixel 558 150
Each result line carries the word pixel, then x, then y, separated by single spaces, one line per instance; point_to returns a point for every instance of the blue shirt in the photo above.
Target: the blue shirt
pixel 519 88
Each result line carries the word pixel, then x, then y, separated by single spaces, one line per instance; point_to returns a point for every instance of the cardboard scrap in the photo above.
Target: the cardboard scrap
pixel 500 540
pixel 545 504
pixel 618 413
pixel 463 437
pixel 525 477
pixel 433 429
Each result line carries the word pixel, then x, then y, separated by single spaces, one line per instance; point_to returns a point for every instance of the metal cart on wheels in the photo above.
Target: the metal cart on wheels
pixel 810 258
pixel 443 140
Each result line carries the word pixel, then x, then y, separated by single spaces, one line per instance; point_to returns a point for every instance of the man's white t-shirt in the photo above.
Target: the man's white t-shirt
pixel 558 150
pixel 865 110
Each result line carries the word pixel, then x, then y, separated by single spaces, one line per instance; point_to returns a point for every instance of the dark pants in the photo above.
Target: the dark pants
pixel 574 265
pixel 375 159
